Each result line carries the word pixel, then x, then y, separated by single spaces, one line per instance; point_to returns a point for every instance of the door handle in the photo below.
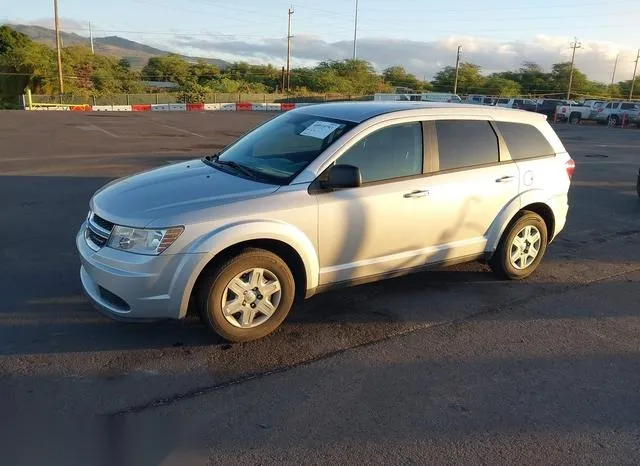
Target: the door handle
pixel 417 193
pixel 504 179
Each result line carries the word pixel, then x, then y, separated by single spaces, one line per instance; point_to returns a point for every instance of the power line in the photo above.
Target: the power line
pixel 501 8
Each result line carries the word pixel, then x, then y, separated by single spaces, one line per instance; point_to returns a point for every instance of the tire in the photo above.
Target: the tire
pixel 242 272
pixel 613 120
pixel 574 119
pixel 501 262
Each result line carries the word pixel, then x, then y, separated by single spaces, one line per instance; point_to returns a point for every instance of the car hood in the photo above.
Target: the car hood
pixel 168 191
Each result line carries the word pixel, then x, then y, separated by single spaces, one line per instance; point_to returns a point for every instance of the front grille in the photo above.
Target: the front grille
pixel 95 238
pixel 98 231
pixel 113 299
pixel 102 223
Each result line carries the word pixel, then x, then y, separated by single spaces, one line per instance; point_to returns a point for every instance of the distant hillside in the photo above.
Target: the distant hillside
pixel 114 46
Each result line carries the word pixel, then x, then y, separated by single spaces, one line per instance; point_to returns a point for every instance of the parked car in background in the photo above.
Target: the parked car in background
pixel 548 106
pixel 419 97
pixel 615 113
pixel 522 104
pixel 575 113
pixel 480 100
pixel 320 197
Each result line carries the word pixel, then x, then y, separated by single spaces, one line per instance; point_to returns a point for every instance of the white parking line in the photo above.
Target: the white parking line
pixel 105 131
pixel 182 130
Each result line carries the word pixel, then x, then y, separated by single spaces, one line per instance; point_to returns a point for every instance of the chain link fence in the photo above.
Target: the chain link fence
pixel 172 98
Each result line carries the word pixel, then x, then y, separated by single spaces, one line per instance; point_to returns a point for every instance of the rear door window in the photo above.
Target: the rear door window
pixel 628 106
pixel 466 143
pixel 524 141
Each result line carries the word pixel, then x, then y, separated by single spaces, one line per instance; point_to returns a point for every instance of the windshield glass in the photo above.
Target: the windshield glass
pixel 278 150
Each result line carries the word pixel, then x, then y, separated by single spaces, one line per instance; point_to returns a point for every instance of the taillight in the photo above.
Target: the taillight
pixel 570 166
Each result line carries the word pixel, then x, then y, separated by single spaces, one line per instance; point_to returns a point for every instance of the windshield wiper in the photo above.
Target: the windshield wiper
pixel 236 166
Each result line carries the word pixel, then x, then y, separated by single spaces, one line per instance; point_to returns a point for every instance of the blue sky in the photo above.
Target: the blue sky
pixel 422 35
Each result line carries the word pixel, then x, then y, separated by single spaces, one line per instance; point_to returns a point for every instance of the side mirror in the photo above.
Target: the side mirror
pixel 343 176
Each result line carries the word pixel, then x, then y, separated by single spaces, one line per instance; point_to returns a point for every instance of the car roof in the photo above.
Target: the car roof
pixel 358 112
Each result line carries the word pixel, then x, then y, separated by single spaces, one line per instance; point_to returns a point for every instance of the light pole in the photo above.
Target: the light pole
pixel 58 47
pixel 575 45
pixel 355 32
pixel 455 82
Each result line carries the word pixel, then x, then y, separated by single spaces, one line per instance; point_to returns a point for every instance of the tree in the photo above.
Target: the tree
pixel 560 78
pixel 172 68
pixel 624 87
pixel 499 86
pixel 125 64
pixel 201 72
pixel 30 64
pixel 397 76
pixel 469 79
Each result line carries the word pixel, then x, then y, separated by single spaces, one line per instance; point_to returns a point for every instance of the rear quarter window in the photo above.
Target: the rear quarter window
pixel 466 143
pixel 524 141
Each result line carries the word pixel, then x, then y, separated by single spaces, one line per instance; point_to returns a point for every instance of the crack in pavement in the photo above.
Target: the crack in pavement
pixel 486 310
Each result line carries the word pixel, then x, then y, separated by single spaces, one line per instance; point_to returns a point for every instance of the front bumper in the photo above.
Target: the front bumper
pixel 134 287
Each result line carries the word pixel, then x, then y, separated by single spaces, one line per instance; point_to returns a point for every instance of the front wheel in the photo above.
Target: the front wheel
pixel 521 247
pixel 574 119
pixel 248 296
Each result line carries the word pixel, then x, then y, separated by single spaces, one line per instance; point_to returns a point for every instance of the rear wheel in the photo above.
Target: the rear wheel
pixel 521 247
pixel 613 120
pixel 574 118
pixel 248 296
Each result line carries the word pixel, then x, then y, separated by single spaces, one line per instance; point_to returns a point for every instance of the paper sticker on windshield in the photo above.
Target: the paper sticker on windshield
pixel 320 129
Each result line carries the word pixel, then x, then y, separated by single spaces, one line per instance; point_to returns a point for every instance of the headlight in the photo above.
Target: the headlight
pixel 143 241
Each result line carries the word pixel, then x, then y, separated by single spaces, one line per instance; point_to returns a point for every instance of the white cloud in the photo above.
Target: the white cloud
pixel 595 58
pixel 68 24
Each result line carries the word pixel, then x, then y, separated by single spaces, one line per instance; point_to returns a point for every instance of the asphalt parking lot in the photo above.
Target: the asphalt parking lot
pixel 443 367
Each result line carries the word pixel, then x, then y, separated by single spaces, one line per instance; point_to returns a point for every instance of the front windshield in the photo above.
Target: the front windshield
pixel 278 150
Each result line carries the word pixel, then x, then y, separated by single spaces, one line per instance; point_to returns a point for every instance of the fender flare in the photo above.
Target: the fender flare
pixel 213 243
pixel 499 225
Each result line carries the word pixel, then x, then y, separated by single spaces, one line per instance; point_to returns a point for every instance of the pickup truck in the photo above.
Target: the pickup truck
pixel 574 113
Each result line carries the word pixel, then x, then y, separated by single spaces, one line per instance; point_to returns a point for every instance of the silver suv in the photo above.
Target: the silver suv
pixel 616 113
pixel 325 196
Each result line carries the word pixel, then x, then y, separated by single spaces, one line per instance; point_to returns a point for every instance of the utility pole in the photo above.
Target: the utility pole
pixel 289 36
pixel 615 65
pixel 575 45
pixel 58 46
pixel 91 38
pixel 355 32
pixel 455 82
pixel 633 80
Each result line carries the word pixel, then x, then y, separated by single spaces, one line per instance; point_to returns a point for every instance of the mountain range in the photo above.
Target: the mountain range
pixel 114 46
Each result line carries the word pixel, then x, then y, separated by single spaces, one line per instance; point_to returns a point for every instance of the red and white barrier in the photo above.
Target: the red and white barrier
pixel 178 107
